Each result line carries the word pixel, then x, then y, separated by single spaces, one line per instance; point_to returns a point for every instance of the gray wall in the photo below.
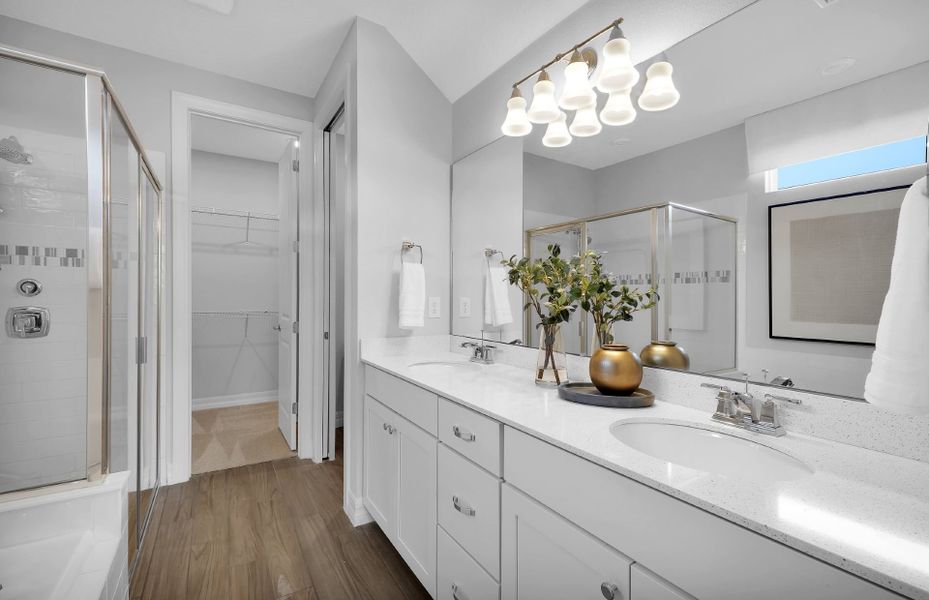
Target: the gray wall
pixel 555 191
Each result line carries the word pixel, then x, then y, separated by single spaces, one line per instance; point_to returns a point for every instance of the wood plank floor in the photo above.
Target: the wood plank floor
pixel 266 531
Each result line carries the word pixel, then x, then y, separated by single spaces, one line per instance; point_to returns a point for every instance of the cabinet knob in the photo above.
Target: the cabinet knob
pixel 609 590
pixel 462 508
pixel 463 434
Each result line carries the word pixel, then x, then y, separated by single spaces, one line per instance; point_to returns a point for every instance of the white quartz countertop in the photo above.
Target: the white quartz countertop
pixel 863 511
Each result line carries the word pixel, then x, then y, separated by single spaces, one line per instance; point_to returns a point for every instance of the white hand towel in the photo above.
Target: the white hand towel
pixel 899 377
pixel 496 297
pixel 412 295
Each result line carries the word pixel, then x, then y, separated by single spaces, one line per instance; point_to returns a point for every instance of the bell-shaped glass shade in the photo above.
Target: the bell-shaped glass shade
pixel 585 122
pixel 618 72
pixel 577 90
pixel 516 123
pixel 659 92
pixel 544 108
pixel 556 134
pixel 618 110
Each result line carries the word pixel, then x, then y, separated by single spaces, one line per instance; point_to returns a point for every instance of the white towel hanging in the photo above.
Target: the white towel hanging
pixel 412 299
pixel 899 377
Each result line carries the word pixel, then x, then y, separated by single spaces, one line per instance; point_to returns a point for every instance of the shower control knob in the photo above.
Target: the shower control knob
pixel 29 287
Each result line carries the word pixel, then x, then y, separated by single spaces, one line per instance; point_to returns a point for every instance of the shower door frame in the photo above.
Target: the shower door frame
pixel 99 98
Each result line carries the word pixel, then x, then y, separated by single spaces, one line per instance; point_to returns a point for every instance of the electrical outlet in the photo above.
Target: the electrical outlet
pixel 435 307
pixel 464 307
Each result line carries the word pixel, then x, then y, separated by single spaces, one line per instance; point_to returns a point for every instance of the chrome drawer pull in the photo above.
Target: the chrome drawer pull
pixel 463 434
pixel 610 591
pixel 456 592
pixel 462 508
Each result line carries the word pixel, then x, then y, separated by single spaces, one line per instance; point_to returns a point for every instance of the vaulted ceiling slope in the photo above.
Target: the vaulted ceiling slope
pixel 289 44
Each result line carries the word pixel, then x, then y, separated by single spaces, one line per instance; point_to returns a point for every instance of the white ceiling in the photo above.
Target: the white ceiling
pixel 766 56
pixel 289 44
pixel 234 139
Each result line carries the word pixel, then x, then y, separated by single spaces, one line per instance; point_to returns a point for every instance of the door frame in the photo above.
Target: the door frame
pixel 309 346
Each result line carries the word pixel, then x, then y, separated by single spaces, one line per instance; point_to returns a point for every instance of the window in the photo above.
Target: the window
pixel 896 155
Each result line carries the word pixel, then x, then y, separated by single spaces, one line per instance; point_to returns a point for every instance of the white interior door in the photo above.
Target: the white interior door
pixel 287 311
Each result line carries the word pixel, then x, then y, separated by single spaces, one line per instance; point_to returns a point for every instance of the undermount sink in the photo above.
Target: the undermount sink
pixel 441 365
pixel 709 451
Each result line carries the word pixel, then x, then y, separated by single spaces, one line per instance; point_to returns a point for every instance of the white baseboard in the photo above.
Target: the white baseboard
pixel 235 400
pixel 357 513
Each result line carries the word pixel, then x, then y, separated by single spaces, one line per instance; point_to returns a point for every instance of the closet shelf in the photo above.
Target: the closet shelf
pixel 234 313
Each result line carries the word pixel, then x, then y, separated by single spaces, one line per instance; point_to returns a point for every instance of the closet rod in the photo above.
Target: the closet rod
pixel 234 313
pixel 209 210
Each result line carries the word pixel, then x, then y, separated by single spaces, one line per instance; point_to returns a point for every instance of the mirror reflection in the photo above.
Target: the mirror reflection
pixel 762 207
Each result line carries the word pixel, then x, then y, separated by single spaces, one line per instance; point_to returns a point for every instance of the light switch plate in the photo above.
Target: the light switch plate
pixel 435 307
pixel 464 307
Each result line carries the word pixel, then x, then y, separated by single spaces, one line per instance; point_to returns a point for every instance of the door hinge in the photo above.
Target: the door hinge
pixel 296 327
pixel 325 335
pixel 140 350
pixel 293 408
pixel 296 246
pixel 296 166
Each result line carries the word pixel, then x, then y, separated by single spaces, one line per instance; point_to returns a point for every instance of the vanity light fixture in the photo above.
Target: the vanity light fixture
pixel 517 122
pixel 556 134
pixel 586 123
pixel 617 77
pixel 544 108
pixel 618 73
pixel 618 109
pixel 659 92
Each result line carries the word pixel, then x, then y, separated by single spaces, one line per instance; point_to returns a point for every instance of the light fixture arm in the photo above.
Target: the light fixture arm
pixel 570 51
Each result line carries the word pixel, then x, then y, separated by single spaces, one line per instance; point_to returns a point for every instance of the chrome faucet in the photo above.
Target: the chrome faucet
pixel 743 410
pixel 482 353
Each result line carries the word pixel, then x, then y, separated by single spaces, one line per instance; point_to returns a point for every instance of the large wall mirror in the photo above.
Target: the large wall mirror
pixel 762 207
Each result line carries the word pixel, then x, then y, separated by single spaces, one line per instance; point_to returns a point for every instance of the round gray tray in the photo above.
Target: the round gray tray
pixel 586 393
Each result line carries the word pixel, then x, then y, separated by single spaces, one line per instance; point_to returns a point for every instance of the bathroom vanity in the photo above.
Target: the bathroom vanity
pixel 491 487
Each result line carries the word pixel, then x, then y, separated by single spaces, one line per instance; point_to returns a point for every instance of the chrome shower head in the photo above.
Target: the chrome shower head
pixel 12 151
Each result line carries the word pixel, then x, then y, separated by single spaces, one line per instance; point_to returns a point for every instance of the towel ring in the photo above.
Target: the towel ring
pixel 490 252
pixel 407 246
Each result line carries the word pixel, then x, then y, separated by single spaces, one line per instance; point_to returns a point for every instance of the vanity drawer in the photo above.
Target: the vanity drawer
pixel 472 434
pixel 459 576
pixel 414 403
pixel 469 508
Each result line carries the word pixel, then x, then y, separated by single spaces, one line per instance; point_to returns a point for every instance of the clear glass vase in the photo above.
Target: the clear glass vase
pixel 552 364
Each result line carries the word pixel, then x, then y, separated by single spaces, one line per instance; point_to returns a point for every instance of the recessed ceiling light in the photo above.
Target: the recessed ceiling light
pixel 223 7
pixel 836 66
pixel 620 141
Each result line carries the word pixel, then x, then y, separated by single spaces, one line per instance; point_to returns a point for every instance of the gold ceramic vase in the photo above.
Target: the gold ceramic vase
pixel 615 370
pixel 667 354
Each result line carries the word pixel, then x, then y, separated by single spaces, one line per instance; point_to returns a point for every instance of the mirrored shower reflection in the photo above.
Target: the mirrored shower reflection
pixel 688 255
pixel 80 283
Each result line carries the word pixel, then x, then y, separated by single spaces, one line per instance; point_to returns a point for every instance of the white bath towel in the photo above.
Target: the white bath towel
pixel 412 295
pixel 899 377
pixel 496 297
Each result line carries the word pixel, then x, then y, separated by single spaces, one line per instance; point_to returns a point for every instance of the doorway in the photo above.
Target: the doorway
pixel 244 286
pixel 334 192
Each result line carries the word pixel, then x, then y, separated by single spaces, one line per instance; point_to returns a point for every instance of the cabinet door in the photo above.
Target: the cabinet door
pixel 380 464
pixel 416 501
pixel 545 556
pixel 645 585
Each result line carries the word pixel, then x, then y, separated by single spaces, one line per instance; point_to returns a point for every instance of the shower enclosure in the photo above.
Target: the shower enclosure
pixel 688 254
pixel 80 286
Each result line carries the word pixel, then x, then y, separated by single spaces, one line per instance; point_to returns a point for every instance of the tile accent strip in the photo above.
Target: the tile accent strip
pixel 678 278
pixel 37 256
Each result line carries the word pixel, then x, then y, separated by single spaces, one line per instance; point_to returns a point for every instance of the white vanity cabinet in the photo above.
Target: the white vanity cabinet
pixel 482 511
pixel 400 474
pixel 545 556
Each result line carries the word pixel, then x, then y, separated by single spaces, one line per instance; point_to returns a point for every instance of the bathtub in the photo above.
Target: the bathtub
pixel 68 543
